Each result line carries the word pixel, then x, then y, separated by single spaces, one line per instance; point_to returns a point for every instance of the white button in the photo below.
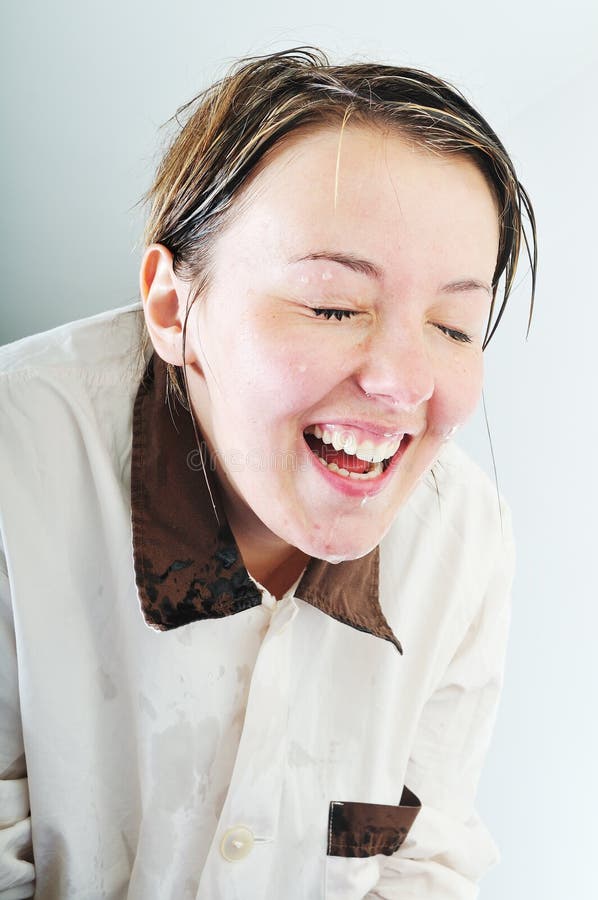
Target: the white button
pixel 236 843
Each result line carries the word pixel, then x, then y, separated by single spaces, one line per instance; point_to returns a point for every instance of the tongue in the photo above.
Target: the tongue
pixel 330 455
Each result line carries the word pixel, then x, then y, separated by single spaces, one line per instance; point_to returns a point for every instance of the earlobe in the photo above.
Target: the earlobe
pixel 164 298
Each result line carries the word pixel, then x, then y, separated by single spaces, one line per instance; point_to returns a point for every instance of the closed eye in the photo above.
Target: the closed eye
pixel 335 313
pixel 339 314
pixel 459 336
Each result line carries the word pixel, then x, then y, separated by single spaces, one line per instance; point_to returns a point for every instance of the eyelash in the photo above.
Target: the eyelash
pixel 336 313
pixel 458 336
pixel 339 314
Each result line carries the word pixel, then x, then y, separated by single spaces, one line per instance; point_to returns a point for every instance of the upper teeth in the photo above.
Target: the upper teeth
pixel 345 439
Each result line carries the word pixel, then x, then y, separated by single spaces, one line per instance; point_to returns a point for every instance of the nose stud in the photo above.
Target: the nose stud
pixel 392 400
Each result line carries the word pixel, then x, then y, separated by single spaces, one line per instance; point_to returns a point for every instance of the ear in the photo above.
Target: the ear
pixel 165 299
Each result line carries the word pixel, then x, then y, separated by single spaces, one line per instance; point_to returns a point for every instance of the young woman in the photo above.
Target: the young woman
pixel 255 461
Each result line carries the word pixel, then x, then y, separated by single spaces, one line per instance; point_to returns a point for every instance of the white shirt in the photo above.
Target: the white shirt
pixel 250 755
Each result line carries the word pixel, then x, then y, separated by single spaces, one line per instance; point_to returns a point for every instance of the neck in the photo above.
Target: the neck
pixel 272 562
pixel 277 578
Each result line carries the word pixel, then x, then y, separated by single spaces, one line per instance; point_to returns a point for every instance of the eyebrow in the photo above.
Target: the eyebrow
pixel 469 284
pixel 366 267
pixel 355 263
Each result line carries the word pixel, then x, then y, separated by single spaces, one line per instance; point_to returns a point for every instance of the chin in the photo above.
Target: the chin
pixel 337 550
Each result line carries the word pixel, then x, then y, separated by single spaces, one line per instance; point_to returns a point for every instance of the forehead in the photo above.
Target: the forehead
pixel 369 191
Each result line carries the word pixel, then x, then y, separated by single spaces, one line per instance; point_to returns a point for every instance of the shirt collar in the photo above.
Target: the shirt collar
pixel 187 567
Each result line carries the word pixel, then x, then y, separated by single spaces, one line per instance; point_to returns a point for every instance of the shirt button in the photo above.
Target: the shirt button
pixel 236 843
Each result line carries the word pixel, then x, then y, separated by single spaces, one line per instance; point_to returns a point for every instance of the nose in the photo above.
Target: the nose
pixel 397 368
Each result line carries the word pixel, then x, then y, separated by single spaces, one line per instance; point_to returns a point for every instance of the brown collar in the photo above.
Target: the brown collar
pixel 187 567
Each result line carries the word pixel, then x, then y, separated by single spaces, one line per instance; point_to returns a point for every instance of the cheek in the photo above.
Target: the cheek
pixel 289 377
pixel 457 394
pixel 267 392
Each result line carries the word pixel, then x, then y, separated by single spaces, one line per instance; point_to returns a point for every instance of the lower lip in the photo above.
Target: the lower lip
pixel 358 487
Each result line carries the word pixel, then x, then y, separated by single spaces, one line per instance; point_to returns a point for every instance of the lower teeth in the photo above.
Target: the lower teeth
pixel 376 470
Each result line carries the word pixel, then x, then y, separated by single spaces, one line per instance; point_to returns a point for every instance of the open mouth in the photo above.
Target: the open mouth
pixel 340 452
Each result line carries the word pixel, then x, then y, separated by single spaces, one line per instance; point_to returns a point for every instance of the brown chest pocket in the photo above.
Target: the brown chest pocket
pixel 367 829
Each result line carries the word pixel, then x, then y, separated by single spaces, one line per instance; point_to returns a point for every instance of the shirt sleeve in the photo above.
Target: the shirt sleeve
pixel 17 874
pixel 448 848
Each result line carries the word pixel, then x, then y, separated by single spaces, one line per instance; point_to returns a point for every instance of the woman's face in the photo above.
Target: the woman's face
pixel 343 323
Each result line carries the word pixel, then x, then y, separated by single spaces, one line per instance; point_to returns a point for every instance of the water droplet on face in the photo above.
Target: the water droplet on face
pixel 364 500
pixel 450 432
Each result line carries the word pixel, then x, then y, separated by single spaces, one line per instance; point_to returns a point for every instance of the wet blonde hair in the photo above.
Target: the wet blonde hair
pixel 224 132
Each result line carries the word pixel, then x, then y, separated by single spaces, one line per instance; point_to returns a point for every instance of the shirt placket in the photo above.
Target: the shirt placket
pixel 243 850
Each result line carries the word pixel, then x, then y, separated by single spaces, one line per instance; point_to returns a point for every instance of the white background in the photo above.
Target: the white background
pixel 85 87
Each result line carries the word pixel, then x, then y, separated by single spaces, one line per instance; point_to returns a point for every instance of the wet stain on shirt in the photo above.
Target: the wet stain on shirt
pixel 107 685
